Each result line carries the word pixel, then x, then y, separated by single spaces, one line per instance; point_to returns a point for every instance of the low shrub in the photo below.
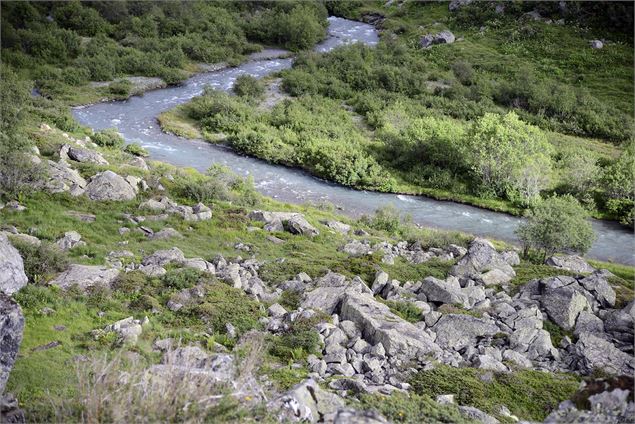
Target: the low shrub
pixel 109 137
pixel 41 261
pixel 411 409
pixel 248 86
pixel 136 150
pixel 120 88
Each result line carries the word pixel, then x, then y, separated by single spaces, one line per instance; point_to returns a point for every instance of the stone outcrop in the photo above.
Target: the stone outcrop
pixel 481 260
pixel 11 328
pixel 82 155
pixel 598 354
pixel 62 178
pixel 571 263
pixel 86 276
pixel 307 402
pixel 457 331
pixel 12 276
pixel 443 37
pixel 108 185
pixel 292 222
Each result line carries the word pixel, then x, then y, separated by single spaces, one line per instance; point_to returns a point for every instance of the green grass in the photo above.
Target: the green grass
pixel 529 395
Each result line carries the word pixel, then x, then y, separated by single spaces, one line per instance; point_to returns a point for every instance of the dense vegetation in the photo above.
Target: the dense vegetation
pixel 517 110
pixel 64 45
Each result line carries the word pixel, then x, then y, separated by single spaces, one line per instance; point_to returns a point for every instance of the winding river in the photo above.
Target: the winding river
pixel 135 118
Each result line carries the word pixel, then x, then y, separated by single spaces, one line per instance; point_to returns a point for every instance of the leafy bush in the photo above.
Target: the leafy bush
pixel 248 86
pixel 529 395
pixel 557 224
pixel 388 219
pixel 136 149
pixel 463 72
pixel 405 310
pixel 41 261
pixel 224 304
pixel 18 174
pixel 120 87
pixel 182 278
pixel 411 409
pixel 297 342
pixel 108 138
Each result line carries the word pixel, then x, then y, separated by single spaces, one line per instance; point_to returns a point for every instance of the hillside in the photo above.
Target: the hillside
pixel 133 290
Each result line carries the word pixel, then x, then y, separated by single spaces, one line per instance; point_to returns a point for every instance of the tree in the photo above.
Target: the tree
pixel 619 186
pixel 556 224
pixel 508 157
pixel 580 174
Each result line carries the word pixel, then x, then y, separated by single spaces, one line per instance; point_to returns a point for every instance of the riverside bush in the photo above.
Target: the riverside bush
pixel 109 137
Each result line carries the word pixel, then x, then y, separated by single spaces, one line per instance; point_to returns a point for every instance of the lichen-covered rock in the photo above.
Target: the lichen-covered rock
pixel 597 284
pixel 481 258
pixel 293 222
pixel 12 276
pixel 70 240
pixel 164 257
pixel 443 37
pixel 338 226
pixel 306 402
pixel 85 156
pixel 599 354
pixel 571 263
pixel 86 276
pixel 62 178
pixel 11 328
pixel 458 331
pixel 108 185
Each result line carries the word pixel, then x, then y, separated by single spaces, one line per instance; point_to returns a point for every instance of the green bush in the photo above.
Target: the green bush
pixel 224 304
pixel 41 262
pixel 248 86
pixel 297 342
pixel 183 278
pixel 411 409
pixel 556 224
pixel 108 138
pixel 136 150
pixel 121 88
pixel 530 395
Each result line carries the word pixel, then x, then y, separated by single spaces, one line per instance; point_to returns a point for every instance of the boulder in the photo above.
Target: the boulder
pixel 458 331
pixel 440 291
pixel 357 248
pixel 477 415
pixel 299 225
pixel 108 185
pixel 70 240
pixel 62 178
pixel 443 37
pixel 597 284
pixel 85 156
pixel 563 305
pixel 338 226
pixel 292 222
pixel 378 324
pixel 596 44
pixel 161 204
pixel 352 416
pixel 571 263
pixel 11 328
pixel 164 257
pixel 329 291
pixel 85 276
pixel 595 353
pixel 481 258
pixel 588 323
pixel 165 233
pixel 12 276
pixel 306 402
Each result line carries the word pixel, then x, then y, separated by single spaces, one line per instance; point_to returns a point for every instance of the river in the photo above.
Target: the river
pixel 135 118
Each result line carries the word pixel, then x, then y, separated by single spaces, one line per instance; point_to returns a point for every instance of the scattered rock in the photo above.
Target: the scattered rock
pixel 70 240
pixel 292 222
pixel 86 276
pixel 443 37
pixel 338 226
pixel 596 44
pixel 598 354
pixel 458 331
pixel 12 276
pixel 571 263
pixel 85 155
pixel 306 401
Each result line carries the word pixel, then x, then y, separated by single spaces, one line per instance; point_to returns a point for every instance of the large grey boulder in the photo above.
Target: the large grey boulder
pixel 595 353
pixel 379 325
pixel 292 222
pixel 571 263
pixel 306 402
pixel 11 327
pixel 85 156
pixel 458 331
pixel 482 258
pixel 62 178
pixel 443 37
pixel 108 185
pixel 338 226
pixel 597 284
pixel 86 276
pixel 477 415
pixel 329 291
pixel 563 304
pixel 440 291
pixel 164 257
pixel 12 276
